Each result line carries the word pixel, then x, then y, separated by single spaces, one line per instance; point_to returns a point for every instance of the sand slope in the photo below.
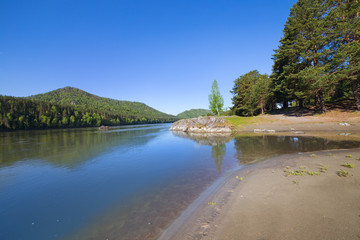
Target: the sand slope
pixel 263 202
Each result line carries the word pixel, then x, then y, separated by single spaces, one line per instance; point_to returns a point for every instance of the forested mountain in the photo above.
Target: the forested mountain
pixel 71 107
pixel 317 61
pixel 193 113
pixel 77 97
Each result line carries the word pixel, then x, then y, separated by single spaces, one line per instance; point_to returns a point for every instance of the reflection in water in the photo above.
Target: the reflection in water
pixel 218 153
pixel 217 142
pixel 126 183
pixel 69 147
pixel 209 139
pixel 252 148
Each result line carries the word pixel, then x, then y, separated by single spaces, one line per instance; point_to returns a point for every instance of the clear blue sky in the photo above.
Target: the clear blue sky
pixel 165 53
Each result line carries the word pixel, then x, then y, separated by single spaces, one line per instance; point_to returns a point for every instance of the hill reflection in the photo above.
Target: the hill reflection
pixel 70 147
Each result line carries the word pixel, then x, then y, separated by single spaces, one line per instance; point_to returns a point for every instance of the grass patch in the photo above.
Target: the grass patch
pixel 239 121
pixel 348 165
pixel 313 155
pixel 313 173
pixel 342 173
pixel 323 168
pixel 349 156
pixel 300 172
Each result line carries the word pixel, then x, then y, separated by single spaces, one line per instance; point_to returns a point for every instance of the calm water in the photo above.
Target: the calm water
pixel 125 183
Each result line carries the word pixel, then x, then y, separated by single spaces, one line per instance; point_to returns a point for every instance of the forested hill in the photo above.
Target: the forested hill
pixel 71 107
pixel 77 97
pixel 193 113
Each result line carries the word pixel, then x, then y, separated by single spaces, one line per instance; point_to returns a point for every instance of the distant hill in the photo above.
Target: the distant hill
pixel 193 113
pixel 77 97
pixel 71 107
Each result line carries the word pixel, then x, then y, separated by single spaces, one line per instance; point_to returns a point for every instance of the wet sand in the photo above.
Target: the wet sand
pixel 265 201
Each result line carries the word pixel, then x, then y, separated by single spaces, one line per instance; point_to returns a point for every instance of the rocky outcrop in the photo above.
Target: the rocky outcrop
pixel 202 125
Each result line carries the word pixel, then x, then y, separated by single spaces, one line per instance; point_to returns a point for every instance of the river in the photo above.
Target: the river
pixel 125 183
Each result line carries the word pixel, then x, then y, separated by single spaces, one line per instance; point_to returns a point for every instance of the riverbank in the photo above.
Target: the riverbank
pixel 334 120
pixel 299 196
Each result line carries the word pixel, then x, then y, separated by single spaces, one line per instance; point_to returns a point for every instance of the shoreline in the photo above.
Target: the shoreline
pixel 330 121
pixel 230 203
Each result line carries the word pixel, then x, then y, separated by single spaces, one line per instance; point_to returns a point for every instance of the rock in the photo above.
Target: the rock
pixel 345 134
pixel 202 125
pixel 263 131
pixel 104 128
pixel 299 132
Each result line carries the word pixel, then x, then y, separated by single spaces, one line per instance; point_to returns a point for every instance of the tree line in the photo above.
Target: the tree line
pixel 317 61
pixel 21 113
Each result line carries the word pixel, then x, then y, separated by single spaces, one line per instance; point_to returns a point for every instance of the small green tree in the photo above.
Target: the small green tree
pixel 215 99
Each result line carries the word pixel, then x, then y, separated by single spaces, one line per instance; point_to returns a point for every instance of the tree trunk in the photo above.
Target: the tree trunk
pixel 321 100
pixel 262 107
pixel 356 91
pixel 301 103
pixel 285 104
pixel 339 90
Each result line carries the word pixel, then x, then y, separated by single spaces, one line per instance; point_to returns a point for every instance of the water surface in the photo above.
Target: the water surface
pixel 125 183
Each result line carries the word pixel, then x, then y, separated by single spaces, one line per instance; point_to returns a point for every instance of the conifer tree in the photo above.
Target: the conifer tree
pixel 344 17
pixel 302 61
pixel 251 93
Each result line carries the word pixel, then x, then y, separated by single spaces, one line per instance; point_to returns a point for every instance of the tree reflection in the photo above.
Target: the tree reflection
pixel 253 148
pixel 218 153
pixel 217 142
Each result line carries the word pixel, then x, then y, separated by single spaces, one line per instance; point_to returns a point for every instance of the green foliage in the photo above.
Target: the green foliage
pixel 319 54
pixel 194 113
pixel 25 113
pixel 323 168
pixel 216 101
pixel 78 98
pixel 342 173
pixel 300 172
pixel 348 165
pixel 251 93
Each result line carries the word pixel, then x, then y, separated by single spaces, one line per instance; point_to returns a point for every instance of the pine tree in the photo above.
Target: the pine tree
pixel 344 16
pixel 251 93
pixel 301 64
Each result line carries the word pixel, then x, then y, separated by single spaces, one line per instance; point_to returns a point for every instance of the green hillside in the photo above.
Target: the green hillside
pixel 193 113
pixel 72 107
pixel 77 97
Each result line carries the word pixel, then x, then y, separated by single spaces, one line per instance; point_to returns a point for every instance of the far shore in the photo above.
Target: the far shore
pixel 298 196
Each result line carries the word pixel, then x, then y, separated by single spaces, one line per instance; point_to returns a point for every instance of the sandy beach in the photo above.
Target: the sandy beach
pixel 299 196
